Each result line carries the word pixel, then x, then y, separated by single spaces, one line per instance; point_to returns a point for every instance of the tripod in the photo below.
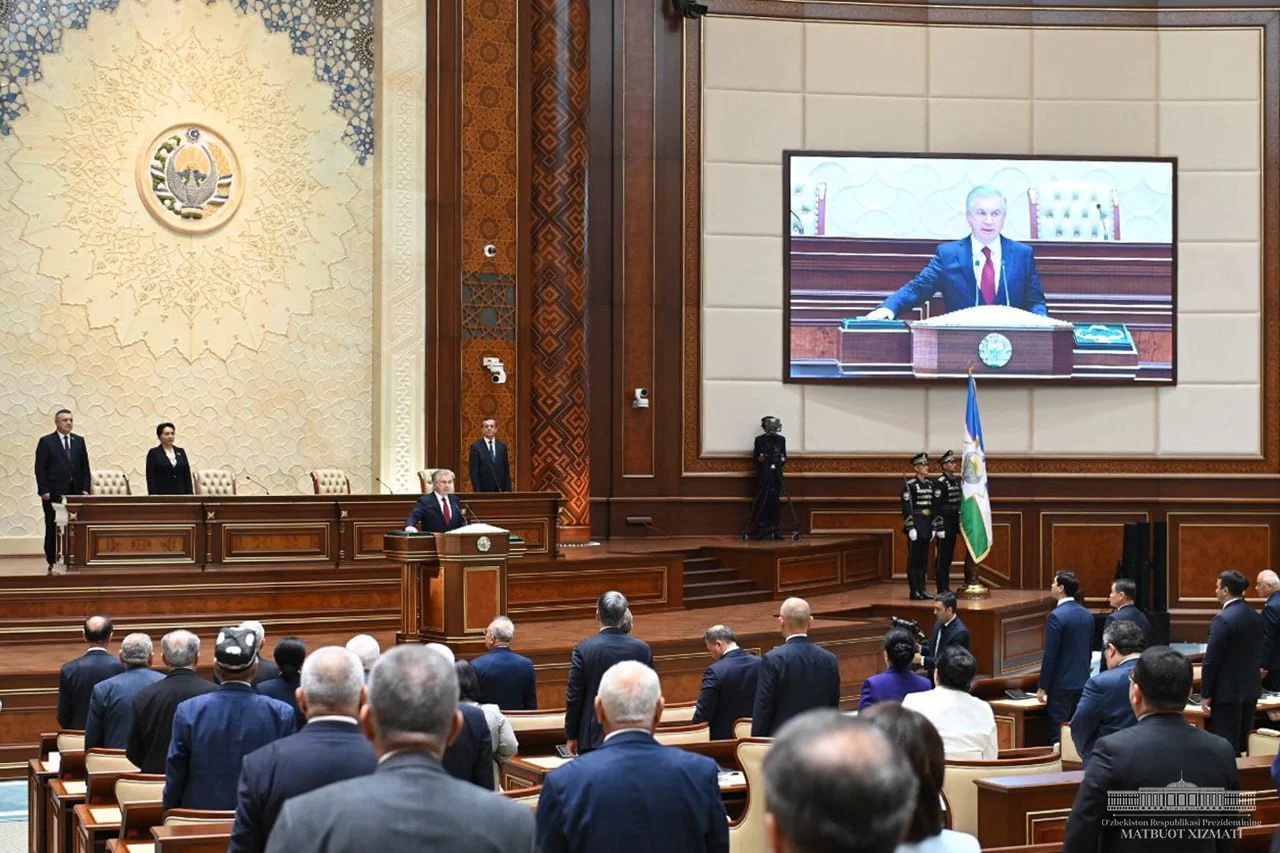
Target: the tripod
pixel 763 489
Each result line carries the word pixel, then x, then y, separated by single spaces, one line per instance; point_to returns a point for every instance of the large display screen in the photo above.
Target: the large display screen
pixel 926 266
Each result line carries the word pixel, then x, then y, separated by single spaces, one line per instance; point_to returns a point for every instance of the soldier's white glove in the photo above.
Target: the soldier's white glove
pixel 941 534
pixel 911 534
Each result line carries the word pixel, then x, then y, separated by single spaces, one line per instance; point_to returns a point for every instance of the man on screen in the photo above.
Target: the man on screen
pixel 981 269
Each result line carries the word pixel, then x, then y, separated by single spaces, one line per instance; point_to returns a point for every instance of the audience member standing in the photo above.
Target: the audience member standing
pixel 367 649
pixel 1104 706
pixel 948 630
pixel 289 653
pixel 795 676
pixel 1122 598
pixel 632 795
pixel 487 460
pixel 154 706
pixel 729 685
pixel 1268 584
pixel 62 468
pixel 330 748
pixel 78 677
pixel 965 723
pixel 213 733
pixel 1230 682
pixel 592 657
pixel 506 678
pixel 898 680
pixel 1068 653
pixel 470 753
pixel 502 739
pixel 111 705
pixel 409 803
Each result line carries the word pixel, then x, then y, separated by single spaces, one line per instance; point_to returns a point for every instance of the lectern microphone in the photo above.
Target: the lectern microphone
pixel 265 490
pixel 378 480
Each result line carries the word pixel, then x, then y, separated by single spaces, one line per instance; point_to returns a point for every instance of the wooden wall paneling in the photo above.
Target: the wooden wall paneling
pixel 1003 566
pixel 1203 544
pixel 1087 543
pixel 885 524
pixel 810 573
pixel 563 590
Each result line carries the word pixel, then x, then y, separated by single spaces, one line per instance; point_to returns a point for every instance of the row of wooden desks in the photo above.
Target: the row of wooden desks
pixel 191 838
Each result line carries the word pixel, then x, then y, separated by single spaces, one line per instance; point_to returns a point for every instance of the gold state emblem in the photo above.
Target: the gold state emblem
pixel 189 179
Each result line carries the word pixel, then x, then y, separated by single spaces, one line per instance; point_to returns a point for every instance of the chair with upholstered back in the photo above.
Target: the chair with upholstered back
pixel 424 478
pixel 672 735
pixel 962 794
pixel 678 714
pixel 217 482
pixel 552 718
pixel 1068 748
pixel 525 796
pixel 330 481
pixel 108 760
pixel 70 740
pixel 1075 211
pixel 1263 742
pixel 109 481
pixel 742 727
pixel 189 817
pixel 139 788
pixel 746 834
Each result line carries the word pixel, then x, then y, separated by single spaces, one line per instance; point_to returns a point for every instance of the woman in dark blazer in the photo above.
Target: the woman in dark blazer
pixel 168 472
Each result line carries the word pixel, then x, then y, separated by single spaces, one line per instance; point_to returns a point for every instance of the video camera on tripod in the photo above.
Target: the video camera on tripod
pixel 908 625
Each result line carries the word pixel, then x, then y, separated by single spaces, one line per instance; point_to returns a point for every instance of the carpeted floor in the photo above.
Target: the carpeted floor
pixel 13 802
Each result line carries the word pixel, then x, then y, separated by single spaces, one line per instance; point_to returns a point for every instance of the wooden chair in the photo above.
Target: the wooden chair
pixel 673 735
pixel 746 835
pixel 1263 742
pixel 137 818
pixel 109 481
pixel 742 727
pixel 330 481
pixel 217 482
pixel 962 794
pixel 99 760
pixel 424 479
pixel 525 796
pixel 70 740
pixel 139 788
pixel 677 715
pixel 1071 759
pixel 187 817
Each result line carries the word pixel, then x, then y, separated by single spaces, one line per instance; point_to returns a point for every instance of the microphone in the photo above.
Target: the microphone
pixel 390 491
pixel 1102 221
pixel 256 483
pixel 471 512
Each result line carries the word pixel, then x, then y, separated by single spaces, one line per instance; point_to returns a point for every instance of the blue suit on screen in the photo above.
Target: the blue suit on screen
pixel 952 272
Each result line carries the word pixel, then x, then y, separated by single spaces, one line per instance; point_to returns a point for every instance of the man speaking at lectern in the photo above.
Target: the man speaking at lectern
pixel 981 269
pixel 437 511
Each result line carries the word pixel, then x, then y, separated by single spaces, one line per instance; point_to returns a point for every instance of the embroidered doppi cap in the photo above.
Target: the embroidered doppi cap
pixel 236 649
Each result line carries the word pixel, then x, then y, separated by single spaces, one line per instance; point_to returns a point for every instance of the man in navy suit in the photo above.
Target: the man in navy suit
pixel 1230 681
pixel 439 510
pixel 62 468
pixel 154 706
pixel 948 630
pixel 78 677
pixel 729 685
pixel 1068 652
pixel 795 676
pixel 1104 705
pixel 632 795
pixel 1268 585
pixel 330 748
pixel 506 678
pixel 1122 598
pixel 591 659
pixel 487 461
pixel 469 756
pixel 111 705
pixel 981 269
pixel 898 680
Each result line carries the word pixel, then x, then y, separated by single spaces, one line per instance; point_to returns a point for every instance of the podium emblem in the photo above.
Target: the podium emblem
pixel 995 350
pixel 483 544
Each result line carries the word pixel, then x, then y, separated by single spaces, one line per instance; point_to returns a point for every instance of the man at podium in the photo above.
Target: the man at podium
pixel 437 511
pixel 981 269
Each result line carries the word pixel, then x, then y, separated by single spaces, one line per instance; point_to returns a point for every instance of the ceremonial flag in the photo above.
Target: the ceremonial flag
pixel 975 505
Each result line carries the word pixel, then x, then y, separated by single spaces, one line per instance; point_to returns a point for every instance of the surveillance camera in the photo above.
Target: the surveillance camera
pixel 498 377
pixel 497 370
pixel 490 251
pixel 640 398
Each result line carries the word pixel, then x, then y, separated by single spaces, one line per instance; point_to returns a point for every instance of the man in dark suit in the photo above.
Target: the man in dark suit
pixel 154 706
pixel 1268 585
pixel 62 468
pixel 1122 598
pixel 1159 751
pixel 1068 653
pixel 488 462
pixel 213 733
pixel 506 678
pixel 470 753
pixel 729 685
pixel 111 705
pixel 981 269
pixel 78 677
pixel 290 653
pixel 591 659
pixel 1230 682
pixel 948 630
pixel 795 676
pixel 632 795
pixel 410 802
pixel 439 510
pixel 330 748
pixel 1104 705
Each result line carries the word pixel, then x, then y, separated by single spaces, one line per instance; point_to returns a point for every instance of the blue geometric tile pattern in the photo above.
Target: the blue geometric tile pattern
pixel 337 34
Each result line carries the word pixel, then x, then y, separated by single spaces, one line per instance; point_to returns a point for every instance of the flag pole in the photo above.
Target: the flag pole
pixel 974 589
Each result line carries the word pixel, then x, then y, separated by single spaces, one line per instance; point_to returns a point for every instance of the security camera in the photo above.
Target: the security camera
pixel 490 251
pixel 499 377
pixel 640 398
pixel 497 370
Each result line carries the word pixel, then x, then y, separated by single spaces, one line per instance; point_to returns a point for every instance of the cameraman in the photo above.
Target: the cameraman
pixel 948 630
pixel 770 454
pixel 898 680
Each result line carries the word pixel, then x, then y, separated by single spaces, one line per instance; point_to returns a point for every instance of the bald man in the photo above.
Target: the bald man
pixel 78 677
pixel 1268 584
pixel 795 676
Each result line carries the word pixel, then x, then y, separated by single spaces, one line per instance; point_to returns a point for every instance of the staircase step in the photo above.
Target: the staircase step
pixel 702 575
pixel 701 563
pixel 737 585
pixel 721 599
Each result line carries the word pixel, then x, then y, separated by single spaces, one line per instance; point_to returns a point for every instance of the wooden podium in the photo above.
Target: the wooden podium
pixel 451 584
pixel 992 340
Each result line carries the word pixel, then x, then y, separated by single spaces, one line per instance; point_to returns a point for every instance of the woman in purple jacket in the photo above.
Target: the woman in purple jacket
pixel 898 680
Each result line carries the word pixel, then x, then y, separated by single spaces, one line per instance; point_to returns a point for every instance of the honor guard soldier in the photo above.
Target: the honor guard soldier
pixel 918 522
pixel 946 518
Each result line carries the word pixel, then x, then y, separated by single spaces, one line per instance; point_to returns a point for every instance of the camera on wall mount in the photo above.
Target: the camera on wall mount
pixel 640 398
pixel 689 9
pixel 497 371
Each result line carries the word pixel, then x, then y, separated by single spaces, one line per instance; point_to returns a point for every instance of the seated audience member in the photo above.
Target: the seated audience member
pixel 266 669
pixel 1159 751
pixel 898 680
pixel 111 705
pixel 729 685
pixel 920 743
pixel 78 677
pixel 501 737
pixel 1104 706
pixel 330 748
pixel 367 649
pixel 633 793
pixel 154 706
pixel 289 653
pixel 948 630
pixel 213 733
pixel 795 676
pixel 591 658
pixel 470 754
pixel 965 723
pixel 409 803
pixel 506 678
pixel 836 784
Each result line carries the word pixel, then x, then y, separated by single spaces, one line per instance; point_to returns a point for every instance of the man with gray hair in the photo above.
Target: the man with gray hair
pixel 367 649
pixel 591 659
pixel 439 510
pixel 111 705
pixel 795 676
pixel 729 685
pixel 330 748
pixel 267 668
pixel 632 795
pixel 154 706
pixel 506 678
pixel 1268 584
pixel 409 802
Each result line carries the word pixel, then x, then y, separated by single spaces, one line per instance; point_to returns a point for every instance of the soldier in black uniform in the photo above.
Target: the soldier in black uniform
pixel 946 518
pixel 770 453
pixel 918 523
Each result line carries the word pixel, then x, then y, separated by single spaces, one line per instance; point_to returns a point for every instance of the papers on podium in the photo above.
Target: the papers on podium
pixel 477 527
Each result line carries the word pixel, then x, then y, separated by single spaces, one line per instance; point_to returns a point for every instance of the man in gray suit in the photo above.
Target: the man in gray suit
pixel 410 802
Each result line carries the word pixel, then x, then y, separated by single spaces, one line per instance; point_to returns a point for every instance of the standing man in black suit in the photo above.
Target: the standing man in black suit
pixel 439 510
pixel 795 676
pixel 948 630
pixel 488 461
pixel 947 493
pixel 62 468
pixel 469 756
pixel 1068 653
pixel 1159 751
pixel 78 677
pixel 1230 682
pixel 154 706
pixel 591 660
pixel 1268 585
pixel 728 685
pixel 1122 598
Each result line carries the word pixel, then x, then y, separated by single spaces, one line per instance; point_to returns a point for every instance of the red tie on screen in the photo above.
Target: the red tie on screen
pixel 988 278
pixel 444 508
